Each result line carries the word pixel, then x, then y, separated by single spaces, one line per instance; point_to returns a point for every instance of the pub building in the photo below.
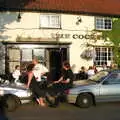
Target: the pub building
pixel 55 33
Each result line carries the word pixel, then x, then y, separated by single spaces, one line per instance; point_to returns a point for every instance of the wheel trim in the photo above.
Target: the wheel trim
pixel 85 100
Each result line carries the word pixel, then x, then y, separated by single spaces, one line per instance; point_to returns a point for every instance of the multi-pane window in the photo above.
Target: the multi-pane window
pixel 103 23
pixel 50 21
pixel 103 55
pixel 23 57
pixel 40 54
pixel 14 58
pixel 26 55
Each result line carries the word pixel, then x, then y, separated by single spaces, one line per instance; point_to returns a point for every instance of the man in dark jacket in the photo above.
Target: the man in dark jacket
pixel 66 79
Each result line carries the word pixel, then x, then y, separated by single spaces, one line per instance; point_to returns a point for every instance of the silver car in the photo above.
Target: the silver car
pixel 103 87
pixel 12 95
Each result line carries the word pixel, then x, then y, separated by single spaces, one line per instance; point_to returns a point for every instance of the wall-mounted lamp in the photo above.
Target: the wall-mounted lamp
pixel 19 17
pixel 79 20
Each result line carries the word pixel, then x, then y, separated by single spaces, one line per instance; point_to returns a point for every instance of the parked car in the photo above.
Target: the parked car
pixel 12 95
pixel 95 77
pixel 96 89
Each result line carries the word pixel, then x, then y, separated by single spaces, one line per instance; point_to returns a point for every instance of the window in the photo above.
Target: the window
pixel 40 54
pixel 26 55
pixel 103 23
pixel 103 55
pixel 50 21
pixel 14 54
pixel 14 58
pixel 114 78
pixel 23 57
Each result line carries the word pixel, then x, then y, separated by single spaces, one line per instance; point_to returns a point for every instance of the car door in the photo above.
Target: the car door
pixel 110 88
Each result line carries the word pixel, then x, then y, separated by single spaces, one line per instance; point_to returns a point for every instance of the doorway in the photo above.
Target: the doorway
pixel 56 58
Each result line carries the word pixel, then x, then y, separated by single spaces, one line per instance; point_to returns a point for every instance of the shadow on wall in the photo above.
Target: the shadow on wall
pixel 6 18
pixel 73 67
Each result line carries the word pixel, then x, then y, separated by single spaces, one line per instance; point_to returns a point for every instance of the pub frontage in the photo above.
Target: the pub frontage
pixel 54 36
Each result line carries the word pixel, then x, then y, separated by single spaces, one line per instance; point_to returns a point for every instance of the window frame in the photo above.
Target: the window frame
pixel 103 56
pixel 111 79
pixel 50 26
pixel 102 24
pixel 21 61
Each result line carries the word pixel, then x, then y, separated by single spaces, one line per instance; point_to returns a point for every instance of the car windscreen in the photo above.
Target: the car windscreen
pixel 99 76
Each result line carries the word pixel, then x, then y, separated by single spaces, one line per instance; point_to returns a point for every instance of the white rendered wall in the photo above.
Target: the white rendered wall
pixel 29 27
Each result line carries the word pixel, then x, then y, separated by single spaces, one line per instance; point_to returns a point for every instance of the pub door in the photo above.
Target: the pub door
pixel 56 58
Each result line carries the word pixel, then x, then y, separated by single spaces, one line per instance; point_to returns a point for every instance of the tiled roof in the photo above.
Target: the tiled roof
pixel 96 7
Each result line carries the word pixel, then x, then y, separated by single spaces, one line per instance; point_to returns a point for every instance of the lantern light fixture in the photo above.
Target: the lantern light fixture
pixel 19 17
pixel 79 20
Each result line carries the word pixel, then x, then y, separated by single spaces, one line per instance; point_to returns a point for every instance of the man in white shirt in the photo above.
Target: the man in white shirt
pixel 39 69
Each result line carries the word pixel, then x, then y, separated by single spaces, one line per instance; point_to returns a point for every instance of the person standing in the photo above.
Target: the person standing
pixel 33 85
pixel 39 70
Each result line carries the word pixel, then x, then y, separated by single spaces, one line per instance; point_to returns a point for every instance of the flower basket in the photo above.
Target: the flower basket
pixel 87 54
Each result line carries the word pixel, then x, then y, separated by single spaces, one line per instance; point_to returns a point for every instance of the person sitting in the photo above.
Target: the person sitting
pixel 16 73
pixel 82 75
pixel 90 71
pixel 104 67
pixel 95 69
pixel 66 80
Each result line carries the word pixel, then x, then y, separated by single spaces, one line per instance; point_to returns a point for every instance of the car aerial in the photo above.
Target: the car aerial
pixel 103 87
pixel 12 95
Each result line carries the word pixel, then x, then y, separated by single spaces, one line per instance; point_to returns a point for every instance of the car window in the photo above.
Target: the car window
pixel 113 78
pixel 99 75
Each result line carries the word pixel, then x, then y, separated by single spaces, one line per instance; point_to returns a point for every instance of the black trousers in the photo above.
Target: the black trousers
pixel 37 91
pixel 60 87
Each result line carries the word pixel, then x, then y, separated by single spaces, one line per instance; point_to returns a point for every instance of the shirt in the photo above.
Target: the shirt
pixel 90 72
pixel 68 74
pixel 16 74
pixel 38 70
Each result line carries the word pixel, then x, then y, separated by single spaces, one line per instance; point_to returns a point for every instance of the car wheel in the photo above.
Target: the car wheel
pixel 17 101
pixel 84 100
pixel 10 103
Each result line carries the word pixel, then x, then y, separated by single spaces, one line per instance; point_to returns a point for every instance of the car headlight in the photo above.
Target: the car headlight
pixel 1 92
pixel 29 93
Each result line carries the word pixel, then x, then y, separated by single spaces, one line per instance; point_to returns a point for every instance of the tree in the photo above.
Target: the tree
pixel 114 37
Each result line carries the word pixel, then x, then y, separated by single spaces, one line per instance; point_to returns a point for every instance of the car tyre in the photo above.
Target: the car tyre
pixel 17 101
pixel 84 100
pixel 10 103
